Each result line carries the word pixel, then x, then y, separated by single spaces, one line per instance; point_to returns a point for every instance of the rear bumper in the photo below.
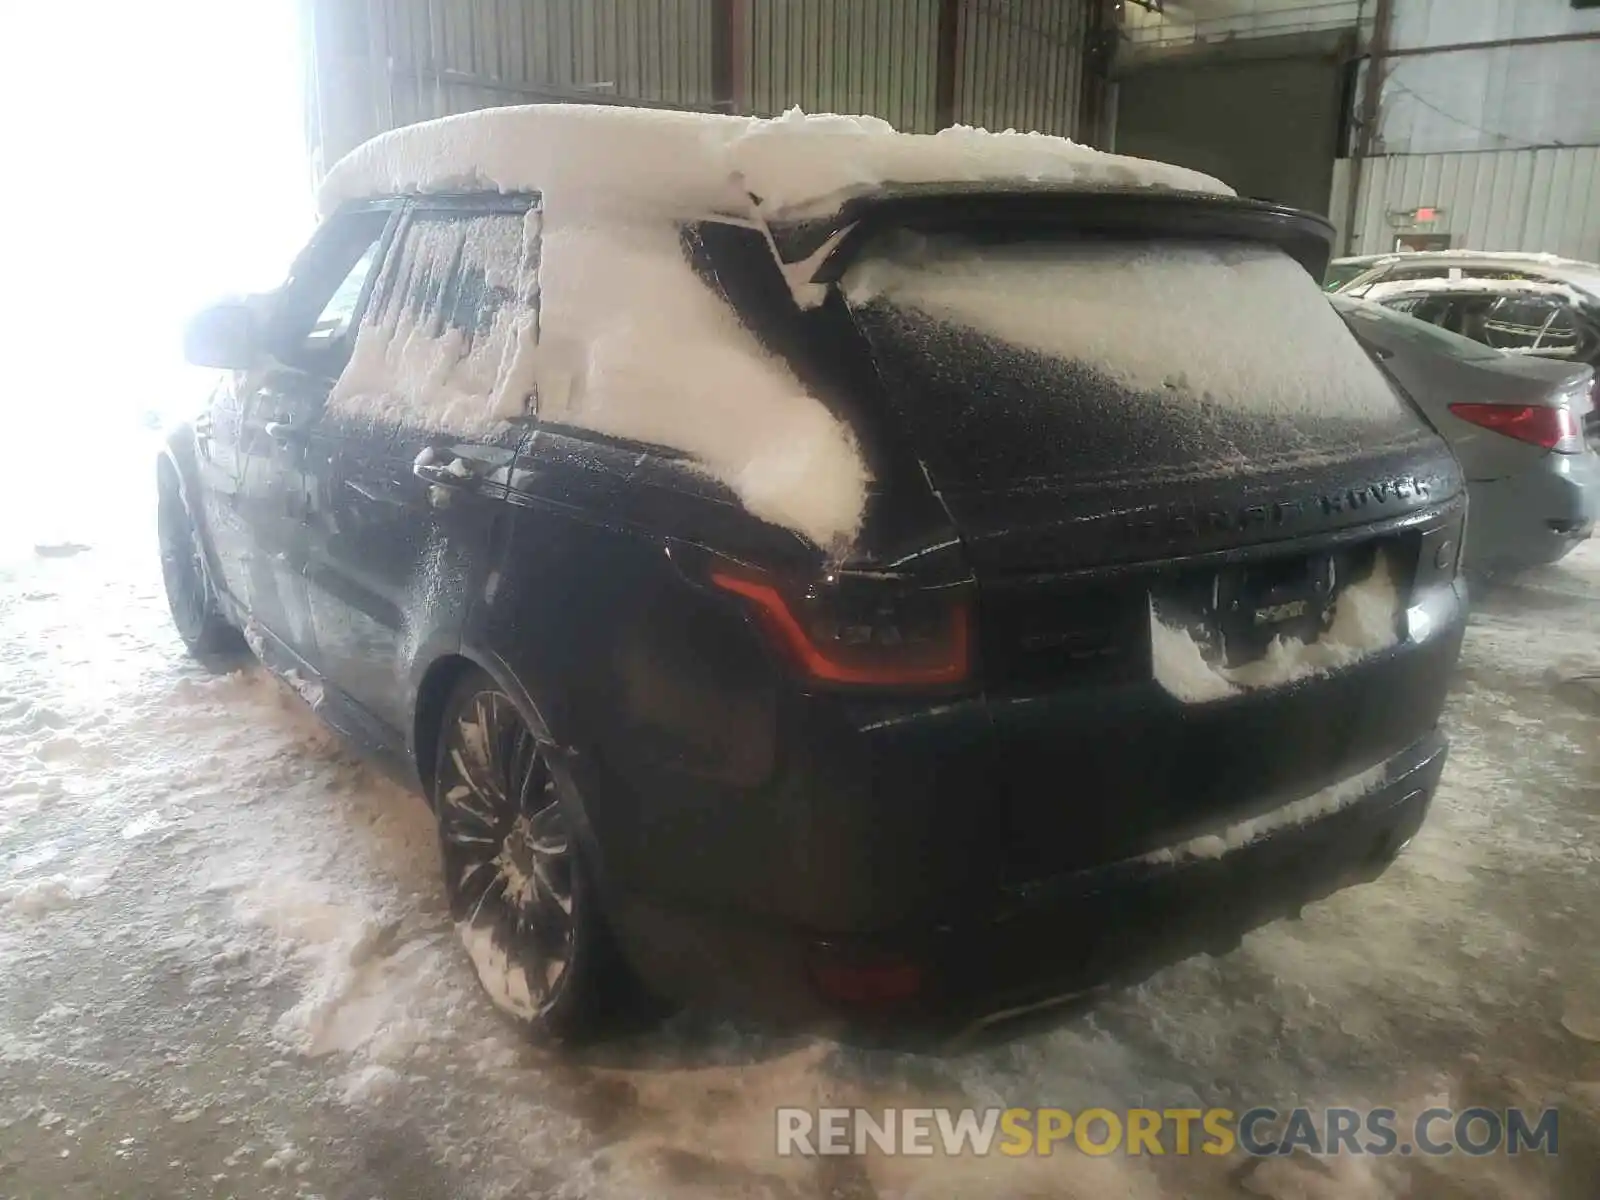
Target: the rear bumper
pixel 1535 517
pixel 1122 922
pixel 1029 944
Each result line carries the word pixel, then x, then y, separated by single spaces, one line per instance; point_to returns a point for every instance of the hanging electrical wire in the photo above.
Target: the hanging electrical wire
pixel 1514 143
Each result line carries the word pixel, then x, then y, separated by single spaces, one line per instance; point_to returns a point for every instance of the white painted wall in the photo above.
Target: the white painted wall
pixel 1505 98
pixel 1536 200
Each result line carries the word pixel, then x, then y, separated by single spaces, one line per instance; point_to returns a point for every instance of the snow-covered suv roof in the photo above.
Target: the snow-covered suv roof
pixel 654 161
pixel 630 340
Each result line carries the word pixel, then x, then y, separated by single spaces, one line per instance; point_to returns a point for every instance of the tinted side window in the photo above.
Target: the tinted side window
pixel 332 324
pixel 460 294
pixel 321 300
pixel 1433 309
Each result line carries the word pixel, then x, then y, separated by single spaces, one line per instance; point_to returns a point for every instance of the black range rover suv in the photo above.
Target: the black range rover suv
pixel 945 773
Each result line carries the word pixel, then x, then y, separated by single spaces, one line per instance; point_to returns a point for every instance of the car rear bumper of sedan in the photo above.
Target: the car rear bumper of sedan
pixel 1036 944
pixel 1535 517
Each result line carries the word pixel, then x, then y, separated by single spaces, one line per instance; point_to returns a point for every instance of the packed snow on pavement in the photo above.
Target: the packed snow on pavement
pixel 227 968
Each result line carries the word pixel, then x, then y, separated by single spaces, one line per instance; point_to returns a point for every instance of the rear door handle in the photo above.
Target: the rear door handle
pixel 285 433
pixel 452 471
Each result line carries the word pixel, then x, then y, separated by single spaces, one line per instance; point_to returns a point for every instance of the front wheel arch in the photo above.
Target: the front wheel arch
pixel 188 573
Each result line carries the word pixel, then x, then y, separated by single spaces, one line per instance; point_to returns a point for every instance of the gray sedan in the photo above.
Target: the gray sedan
pixel 1514 421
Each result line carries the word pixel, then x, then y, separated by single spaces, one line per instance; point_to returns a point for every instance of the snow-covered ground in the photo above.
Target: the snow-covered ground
pixel 226 968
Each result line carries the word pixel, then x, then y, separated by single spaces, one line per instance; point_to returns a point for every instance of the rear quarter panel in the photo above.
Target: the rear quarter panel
pixel 661 702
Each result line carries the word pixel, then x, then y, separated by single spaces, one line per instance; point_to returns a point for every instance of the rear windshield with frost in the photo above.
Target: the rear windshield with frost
pixel 1014 357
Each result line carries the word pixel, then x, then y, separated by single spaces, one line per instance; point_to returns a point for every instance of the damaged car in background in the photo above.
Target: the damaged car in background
pixel 820 598
pixel 1516 423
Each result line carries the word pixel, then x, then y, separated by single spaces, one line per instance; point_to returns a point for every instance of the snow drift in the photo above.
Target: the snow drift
pixel 677 164
pixel 1365 622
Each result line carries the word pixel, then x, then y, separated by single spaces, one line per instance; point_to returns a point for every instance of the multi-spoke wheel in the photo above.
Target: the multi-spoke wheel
pixel 516 883
pixel 195 611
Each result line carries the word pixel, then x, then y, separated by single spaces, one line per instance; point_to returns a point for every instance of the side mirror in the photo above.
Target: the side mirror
pixel 222 336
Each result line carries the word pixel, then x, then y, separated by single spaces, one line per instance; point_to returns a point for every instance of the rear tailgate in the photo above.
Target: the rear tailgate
pixel 1128 430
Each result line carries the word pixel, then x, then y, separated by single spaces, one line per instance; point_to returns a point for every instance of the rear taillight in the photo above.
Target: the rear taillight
pixel 862 631
pixel 1552 428
pixel 864 980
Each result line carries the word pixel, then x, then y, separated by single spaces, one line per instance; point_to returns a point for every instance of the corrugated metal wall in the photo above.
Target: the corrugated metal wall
pixel 1534 200
pixel 382 63
pixel 375 64
pixel 851 56
pixel 455 55
pixel 1019 65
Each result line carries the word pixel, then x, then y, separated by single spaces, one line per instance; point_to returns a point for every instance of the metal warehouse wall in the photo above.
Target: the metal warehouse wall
pixel 1019 65
pixel 1263 115
pixel 376 64
pixel 1542 92
pixel 1535 200
pixel 1490 113
pixel 851 56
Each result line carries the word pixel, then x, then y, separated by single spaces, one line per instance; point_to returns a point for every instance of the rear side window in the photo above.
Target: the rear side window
pixel 1518 323
pixel 450 333
pixel 1567 335
pixel 1422 334
pixel 1435 310
pixel 1340 274
pixel 1051 354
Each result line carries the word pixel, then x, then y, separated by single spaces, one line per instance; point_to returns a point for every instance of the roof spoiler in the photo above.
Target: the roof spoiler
pixel 824 247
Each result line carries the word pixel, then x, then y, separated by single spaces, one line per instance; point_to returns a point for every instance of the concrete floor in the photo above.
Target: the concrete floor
pixel 225 969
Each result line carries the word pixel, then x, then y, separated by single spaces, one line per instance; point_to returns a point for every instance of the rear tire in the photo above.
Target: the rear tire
pixel 520 892
pixel 196 610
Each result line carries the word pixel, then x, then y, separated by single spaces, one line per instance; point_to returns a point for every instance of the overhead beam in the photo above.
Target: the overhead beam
pixel 1549 39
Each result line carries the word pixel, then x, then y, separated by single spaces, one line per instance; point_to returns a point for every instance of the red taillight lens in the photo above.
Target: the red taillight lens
pixel 1552 428
pixel 866 635
pixel 865 981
